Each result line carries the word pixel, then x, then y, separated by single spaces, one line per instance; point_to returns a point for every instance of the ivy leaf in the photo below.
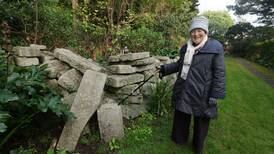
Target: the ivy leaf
pixel 7 96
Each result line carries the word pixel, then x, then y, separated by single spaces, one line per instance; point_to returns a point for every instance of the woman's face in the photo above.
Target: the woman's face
pixel 197 35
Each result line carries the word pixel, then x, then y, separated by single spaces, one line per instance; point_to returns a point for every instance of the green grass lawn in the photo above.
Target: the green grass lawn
pixel 245 123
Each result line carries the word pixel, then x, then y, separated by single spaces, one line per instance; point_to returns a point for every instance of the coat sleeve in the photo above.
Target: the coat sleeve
pixel 218 83
pixel 171 68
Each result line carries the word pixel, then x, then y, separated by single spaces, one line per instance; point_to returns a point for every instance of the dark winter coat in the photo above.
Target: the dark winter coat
pixel 206 78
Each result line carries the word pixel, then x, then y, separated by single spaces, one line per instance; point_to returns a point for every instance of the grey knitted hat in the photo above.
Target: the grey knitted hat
pixel 199 22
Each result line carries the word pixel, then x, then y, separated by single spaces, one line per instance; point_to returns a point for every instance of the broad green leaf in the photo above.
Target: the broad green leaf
pixel 7 96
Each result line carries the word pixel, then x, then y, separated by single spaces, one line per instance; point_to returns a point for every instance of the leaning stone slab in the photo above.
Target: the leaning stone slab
pixel 86 102
pixel 122 80
pixel 70 80
pixel 134 56
pixel 26 51
pixel 21 61
pixel 80 63
pixel 55 67
pixel 110 120
pixel 122 69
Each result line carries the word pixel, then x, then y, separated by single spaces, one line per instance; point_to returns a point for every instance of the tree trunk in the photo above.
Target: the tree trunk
pixel 74 10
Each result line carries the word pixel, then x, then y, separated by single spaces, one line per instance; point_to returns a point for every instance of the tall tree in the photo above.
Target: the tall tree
pixel 263 8
pixel 219 22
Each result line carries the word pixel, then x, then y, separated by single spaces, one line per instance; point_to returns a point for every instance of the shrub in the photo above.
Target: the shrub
pixel 160 99
pixel 141 39
pixel 23 94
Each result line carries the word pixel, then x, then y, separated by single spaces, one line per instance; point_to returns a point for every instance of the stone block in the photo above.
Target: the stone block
pixel 55 67
pixel 122 69
pixel 134 56
pixel 21 61
pixel 149 73
pixel 145 68
pixel 145 61
pixel 26 51
pixel 39 47
pixel 113 59
pixel 122 80
pixel 110 120
pixel 131 111
pixel 124 90
pixel 70 80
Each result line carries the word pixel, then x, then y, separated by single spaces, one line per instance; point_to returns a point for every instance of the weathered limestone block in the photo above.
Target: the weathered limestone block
pixel 134 56
pixel 26 51
pixel 46 56
pixel 80 63
pixel 53 84
pixel 86 102
pixel 113 59
pixel 133 110
pixel 162 58
pixel 39 47
pixel 136 99
pixel 145 61
pixel 147 88
pixel 145 68
pixel 55 67
pixel 149 73
pixel 110 120
pixel 122 80
pixel 21 61
pixel 125 90
pixel 70 80
pixel 122 69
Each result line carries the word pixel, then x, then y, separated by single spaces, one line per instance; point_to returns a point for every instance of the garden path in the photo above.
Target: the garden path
pixel 247 64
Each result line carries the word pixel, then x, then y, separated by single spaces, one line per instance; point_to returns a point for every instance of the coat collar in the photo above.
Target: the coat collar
pixel 211 46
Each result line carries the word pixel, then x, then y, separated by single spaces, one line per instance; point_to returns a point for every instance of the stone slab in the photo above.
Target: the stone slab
pixel 26 51
pixel 86 102
pixel 145 61
pixel 122 69
pixel 145 68
pixel 134 56
pixel 124 90
pixel 80 63
pixel 110 120
pixel 122 80
pixel 39 47
pixel 21 61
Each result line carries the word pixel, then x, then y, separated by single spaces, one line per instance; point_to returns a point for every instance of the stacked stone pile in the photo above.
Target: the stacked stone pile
pixel 126 73
pixel 86 88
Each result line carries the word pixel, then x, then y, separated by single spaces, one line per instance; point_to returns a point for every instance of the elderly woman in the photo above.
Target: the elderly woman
pixel 200 82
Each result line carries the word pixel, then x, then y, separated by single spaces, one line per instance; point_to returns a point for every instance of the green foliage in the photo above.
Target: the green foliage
pixel 263 9
pixel 265 53
pixel 253 43
pixel 113 144
pixel 24 94
pixel 56 25
pixel 140 130
pixel 160 99
pixel 219 22
pixel 141 39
